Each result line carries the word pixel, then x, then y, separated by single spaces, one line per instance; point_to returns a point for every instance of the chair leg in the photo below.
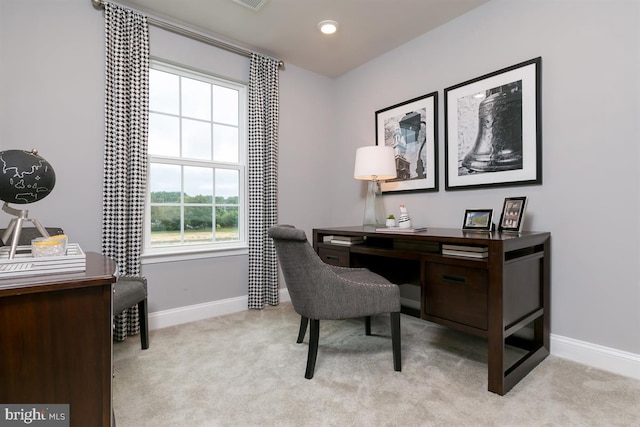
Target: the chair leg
pixel 367 325
pixel 395 341
pixel 143 317
pixel 313 348
pixel 303 329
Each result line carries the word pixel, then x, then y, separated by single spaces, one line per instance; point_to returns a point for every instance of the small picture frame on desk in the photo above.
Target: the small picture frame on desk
pixel 477 220
pixel 512 214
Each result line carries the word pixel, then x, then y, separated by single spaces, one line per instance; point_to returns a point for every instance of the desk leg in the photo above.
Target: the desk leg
pixel 495 364
pixel 533 274
pixel 495 379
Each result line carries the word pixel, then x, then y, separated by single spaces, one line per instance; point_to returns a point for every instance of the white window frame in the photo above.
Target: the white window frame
pixel 151 254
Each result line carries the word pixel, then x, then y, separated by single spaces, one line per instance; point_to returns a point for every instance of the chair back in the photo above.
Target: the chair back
pixel 304 272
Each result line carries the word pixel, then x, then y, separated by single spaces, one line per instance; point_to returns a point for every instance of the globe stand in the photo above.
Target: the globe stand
pixel 15 227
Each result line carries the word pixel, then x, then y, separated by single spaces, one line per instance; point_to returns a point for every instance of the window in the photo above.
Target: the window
pixel 197 162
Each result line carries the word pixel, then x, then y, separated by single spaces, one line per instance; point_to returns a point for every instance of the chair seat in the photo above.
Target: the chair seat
pixel 127 293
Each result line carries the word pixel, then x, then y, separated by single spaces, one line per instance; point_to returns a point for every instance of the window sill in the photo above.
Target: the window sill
pixel 188 255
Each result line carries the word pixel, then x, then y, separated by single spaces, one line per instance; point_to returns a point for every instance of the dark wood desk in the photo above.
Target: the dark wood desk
pixel 504 297
pixel 55 341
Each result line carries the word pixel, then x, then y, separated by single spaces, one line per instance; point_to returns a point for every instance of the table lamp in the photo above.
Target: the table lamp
pixel 374 164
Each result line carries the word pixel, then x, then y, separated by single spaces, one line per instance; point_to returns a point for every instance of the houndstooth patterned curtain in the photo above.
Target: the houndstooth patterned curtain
pixel 125 153
pixel 263 179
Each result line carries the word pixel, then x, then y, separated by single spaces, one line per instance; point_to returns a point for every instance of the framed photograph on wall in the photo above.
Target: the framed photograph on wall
pixel 411 128
pixel 493 129
pixel 477 219
pixel 512 214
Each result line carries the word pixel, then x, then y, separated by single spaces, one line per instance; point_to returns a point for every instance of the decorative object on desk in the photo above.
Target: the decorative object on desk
pixel 477 219
pixel 374 164
pixel 411 129
pixel 391 221
pixel 62 238
pixel 512 214
pixel 404 221
pixel 493 131
pixel 26 264
pixel 48 246
pixel 25 177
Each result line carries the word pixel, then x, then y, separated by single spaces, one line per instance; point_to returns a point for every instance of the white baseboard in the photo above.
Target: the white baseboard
pixel 597 356
pixel 177 316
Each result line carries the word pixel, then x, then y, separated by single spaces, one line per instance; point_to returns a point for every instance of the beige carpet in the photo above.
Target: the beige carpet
pixel 246 369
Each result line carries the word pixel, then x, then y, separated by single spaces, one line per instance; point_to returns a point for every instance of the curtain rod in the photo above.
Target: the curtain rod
pixel 99 4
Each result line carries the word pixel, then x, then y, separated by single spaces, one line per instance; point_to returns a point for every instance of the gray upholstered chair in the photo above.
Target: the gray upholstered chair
pixel 127 291
pixel 320 291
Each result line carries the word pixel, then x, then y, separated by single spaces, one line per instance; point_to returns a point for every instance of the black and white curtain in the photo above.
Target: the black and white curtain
pixel 125 152
pixel 263 179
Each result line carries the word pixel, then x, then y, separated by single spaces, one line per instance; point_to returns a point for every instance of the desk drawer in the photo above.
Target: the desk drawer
pixel 338 257
pixel 458 294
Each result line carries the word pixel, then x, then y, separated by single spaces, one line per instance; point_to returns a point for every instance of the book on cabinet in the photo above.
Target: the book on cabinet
pixel 468 254
pixel 400 230
pixel 465 248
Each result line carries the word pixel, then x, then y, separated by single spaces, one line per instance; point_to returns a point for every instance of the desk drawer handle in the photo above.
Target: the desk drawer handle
pixel 455 279
pixel 332 257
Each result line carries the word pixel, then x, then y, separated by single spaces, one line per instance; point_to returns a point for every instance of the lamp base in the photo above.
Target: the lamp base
pixel 373 208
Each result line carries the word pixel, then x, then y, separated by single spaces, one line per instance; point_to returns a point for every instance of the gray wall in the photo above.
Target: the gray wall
pixel 590 101
pixel 51 98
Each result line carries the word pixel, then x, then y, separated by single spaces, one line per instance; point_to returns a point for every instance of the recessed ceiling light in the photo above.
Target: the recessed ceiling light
pixel 328 27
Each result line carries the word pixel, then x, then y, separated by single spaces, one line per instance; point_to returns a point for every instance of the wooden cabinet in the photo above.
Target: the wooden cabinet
pixel 56 341
pixel 503 297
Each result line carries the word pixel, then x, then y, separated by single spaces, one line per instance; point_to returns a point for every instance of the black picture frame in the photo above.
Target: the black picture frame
pixel 477 220
pixel 512 215
pixel 493 130
pixel 411 128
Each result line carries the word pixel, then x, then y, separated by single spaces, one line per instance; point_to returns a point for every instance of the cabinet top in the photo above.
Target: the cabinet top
pixel 99 271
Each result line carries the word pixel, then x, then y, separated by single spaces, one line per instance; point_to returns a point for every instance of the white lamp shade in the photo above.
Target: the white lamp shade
pixel 375 162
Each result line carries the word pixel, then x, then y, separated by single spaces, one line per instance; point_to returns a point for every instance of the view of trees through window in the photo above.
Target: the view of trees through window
pixel 166 225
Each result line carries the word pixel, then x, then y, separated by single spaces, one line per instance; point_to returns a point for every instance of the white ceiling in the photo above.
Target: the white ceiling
pixel 287 29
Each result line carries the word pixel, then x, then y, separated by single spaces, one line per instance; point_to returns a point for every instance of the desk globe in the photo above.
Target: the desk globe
pixel 25 177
